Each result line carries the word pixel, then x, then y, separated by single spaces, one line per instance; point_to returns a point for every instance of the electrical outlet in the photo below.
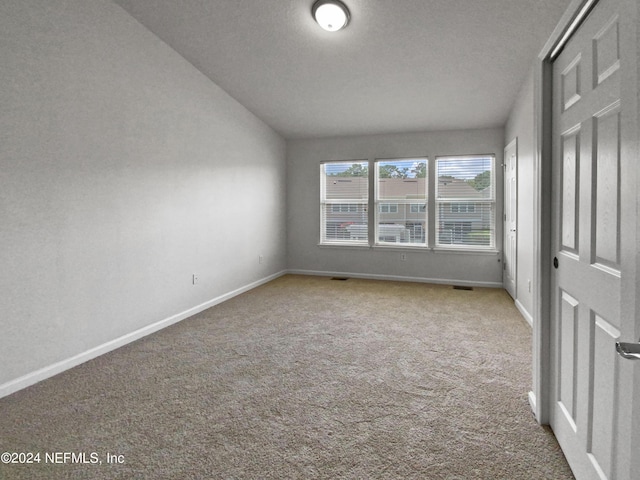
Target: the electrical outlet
pixel 260 258
pixel 195 279
pixel 403 257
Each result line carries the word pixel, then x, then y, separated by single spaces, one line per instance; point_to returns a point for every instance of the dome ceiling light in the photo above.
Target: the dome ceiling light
pixel 332 15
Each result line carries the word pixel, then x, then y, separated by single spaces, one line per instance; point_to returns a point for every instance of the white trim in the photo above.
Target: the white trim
pixel 466 251
pixel 32 378
pixel 541 370
pixel 532 401
pixel 362 246
pixel 523 311
pixel 512 144
pixel 49 371
pixel 402 247
pixel 420 247
pixel 542 223
pixel 397 278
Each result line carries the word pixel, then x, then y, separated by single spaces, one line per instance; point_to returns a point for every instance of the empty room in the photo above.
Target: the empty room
pixel 319 239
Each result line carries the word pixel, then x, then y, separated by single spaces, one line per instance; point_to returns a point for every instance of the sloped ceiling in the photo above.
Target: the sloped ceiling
pixel 399 66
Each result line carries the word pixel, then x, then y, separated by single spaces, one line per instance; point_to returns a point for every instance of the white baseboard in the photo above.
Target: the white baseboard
pixel 34 377
pixel 532 402
pixel 523 311
pixel 398 278
pixel 49 371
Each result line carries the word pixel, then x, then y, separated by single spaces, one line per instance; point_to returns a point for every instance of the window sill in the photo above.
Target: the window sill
pixel 422 248
pixel 466 251
pixel 414 248
pixel 361 246
pixel 402 247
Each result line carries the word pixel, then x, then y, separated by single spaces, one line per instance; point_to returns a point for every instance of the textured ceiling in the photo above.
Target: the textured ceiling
pixel 399 66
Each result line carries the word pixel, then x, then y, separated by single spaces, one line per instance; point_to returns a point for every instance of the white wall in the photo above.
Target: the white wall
pixel 123 171
pixel 520 125
pixel 303 219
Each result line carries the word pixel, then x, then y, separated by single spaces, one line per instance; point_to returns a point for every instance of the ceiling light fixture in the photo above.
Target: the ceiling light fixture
pixel 332 15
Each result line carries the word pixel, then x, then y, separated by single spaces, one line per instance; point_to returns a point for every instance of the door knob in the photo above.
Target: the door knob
pixel 630 351
pixel 555 262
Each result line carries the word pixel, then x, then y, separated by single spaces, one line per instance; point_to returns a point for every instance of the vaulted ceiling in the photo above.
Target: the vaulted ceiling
pixel 399 66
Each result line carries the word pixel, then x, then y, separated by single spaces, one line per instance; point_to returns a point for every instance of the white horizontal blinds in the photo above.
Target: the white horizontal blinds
pixel 465 202
pixel 401 201
pixel 344 199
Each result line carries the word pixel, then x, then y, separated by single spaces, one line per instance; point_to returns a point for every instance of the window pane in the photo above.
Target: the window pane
pixel 404 218
pixel 402 226
pixel 344 202
pixel 465 228
pixel 465 177
pixel 345 225
pixel 346 180
pixel 402 179
pixel 462 223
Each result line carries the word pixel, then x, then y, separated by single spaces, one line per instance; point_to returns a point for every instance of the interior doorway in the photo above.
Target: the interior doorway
pixel 510 261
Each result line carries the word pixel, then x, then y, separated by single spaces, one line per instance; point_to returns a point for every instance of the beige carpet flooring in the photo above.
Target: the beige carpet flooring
pixel 304 377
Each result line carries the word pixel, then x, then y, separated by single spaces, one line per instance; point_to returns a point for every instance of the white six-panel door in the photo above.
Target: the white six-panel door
pixel 593 266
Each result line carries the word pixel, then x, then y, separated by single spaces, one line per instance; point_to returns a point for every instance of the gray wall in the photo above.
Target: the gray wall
pixel 303 218
pixel 123 171
pixel 520 125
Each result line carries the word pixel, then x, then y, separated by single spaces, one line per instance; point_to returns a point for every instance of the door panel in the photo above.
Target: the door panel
pixel 570 189
pixel 568 343
pixel 606 135
pixel 604 396
pixel 607 50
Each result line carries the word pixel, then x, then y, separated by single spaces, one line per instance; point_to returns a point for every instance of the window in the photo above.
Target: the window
pixel 344 199
pixel 459 215
pixel 344 208
pixel 463 208
pixel 401 200
pixel 388 208
pixel 465 202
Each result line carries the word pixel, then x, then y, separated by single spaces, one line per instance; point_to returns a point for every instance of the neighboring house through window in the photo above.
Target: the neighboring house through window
pixel 461 213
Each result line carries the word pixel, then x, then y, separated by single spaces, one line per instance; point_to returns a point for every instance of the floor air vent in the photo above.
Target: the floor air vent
pixel 342 279
pixel 462 287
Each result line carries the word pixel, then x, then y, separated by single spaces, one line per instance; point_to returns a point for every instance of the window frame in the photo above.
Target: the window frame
pixel 403 207
pixel 441 203
pixel 428 228
pixel 362 206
